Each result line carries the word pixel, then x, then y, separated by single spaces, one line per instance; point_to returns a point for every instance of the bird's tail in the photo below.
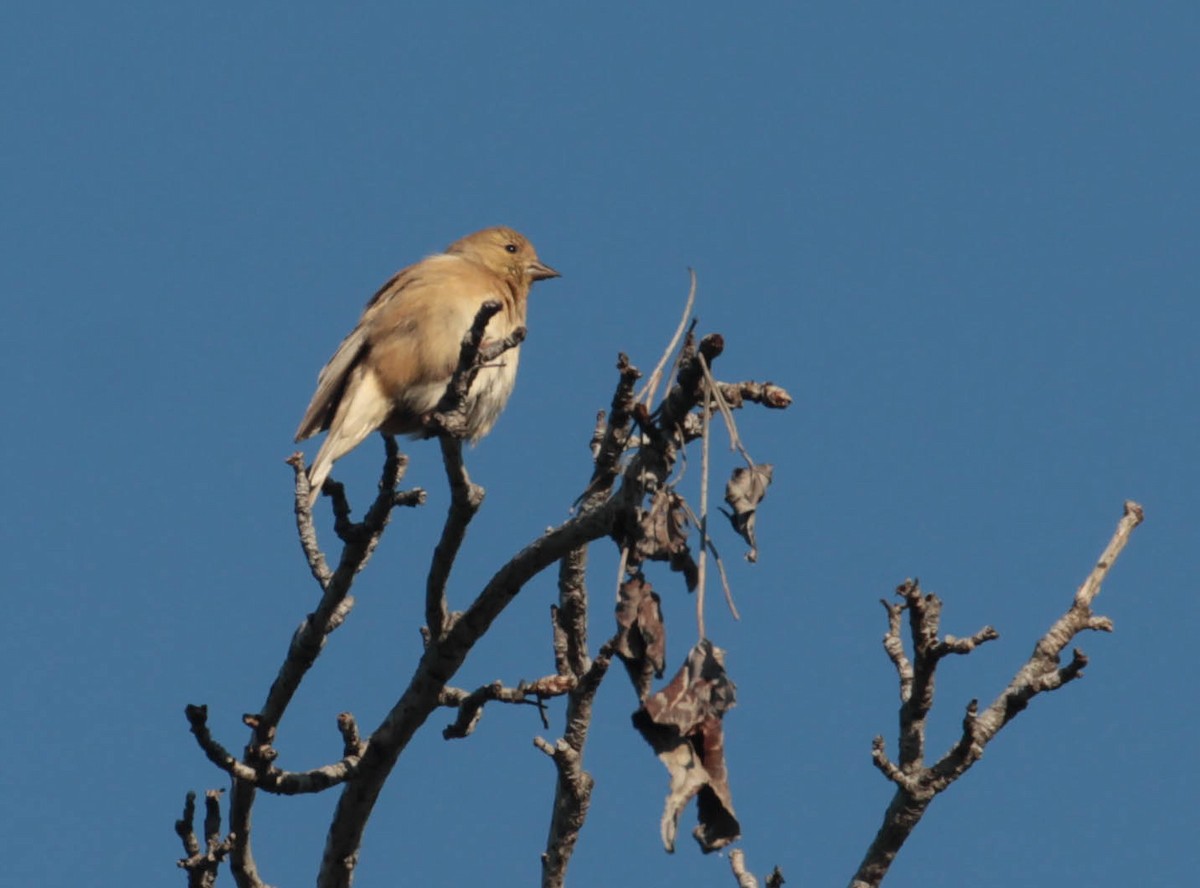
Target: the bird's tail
pixel 362 409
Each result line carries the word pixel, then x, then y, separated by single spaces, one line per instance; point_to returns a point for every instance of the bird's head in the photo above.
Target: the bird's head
pixel 506 252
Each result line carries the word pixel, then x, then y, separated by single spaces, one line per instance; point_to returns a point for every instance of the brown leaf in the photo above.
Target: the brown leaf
pixel 745 490
pixel 641 635
pixel 662 535
pixel 682 723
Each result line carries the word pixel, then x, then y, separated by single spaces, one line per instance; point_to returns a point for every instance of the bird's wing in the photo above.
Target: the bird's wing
pixel 360 410
pixel 331 383
pixel 336 373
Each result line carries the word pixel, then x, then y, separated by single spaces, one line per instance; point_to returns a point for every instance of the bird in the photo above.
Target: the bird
pixel 394 366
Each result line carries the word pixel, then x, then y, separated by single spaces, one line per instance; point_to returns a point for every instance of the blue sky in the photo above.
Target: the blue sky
pixel 963 236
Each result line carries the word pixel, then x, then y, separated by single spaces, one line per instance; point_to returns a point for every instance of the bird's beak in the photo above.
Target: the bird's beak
pixel 539 271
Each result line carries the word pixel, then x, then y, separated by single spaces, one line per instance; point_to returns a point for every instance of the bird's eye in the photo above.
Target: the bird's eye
pixel 512 248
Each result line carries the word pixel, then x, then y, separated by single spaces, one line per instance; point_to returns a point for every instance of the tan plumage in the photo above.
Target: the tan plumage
pixel 395 365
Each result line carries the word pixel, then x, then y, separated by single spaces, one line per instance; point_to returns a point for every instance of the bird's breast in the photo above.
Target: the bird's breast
pixel 490 393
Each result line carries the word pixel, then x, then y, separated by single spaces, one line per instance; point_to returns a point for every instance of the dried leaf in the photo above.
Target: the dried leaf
pixel 682 723
pixel 662 535
pixel 641 635
pixel 743 493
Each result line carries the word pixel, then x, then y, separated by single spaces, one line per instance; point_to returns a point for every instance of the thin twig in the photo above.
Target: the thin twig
pixel 622 562
pixel 470 704
pixel 266 776
pixel 718 560
pixel 735 440
pixel 305 529
pixel 646 395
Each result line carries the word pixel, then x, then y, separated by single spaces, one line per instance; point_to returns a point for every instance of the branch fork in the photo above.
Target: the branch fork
pixel 916 784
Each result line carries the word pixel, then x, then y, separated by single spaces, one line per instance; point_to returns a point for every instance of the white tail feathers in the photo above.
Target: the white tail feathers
pixel 362 409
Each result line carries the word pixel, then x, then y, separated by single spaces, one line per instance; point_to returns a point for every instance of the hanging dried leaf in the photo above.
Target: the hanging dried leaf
pixel 641 635
pixel 682 723
pixel 662 535
pixel 745 490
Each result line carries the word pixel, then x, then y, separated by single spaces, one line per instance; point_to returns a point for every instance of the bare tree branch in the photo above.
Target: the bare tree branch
pixel 916 784
pixel 768 394
pixel 470 704
pixel 465 500
pixel 202 863
pixel 631 497
pixel 449 421
pixel 573 787
pixel 597 516
pixel 572 797
pixel 611 437
pixel 621 480
pixel 263 774
pixel 359 542
pixel 440 661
